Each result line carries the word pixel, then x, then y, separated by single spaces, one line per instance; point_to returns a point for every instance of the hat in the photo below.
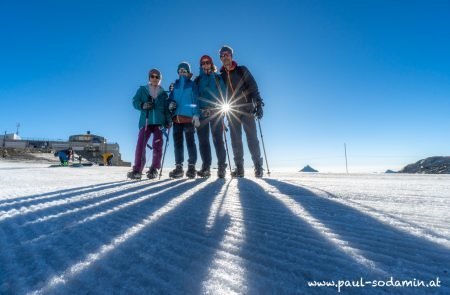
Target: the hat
pixel 226 48
pixel 184 65
pixel 156 72
pixel 206 57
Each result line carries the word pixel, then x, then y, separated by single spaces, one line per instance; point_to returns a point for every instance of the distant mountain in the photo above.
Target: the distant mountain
pixel 308 168
pixel 432 165
pixel 390 171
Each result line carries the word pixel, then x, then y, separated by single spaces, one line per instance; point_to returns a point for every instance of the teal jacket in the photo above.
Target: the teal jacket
pixel 211 90
pixel 159 115
pixel 185 96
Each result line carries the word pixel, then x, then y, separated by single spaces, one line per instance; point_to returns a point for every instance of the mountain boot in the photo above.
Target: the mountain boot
pixel 152 173
pixel 134 175
pixel 177 172
pixel 238 172
pixel 205 173
pixel 191 172
pixel 259 172
pixel 221 171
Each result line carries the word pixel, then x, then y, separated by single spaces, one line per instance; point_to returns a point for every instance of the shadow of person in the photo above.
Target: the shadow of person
pixel 17 203
pixel 171 255
pixel 29 265
pixel 399 253
pixel 283 252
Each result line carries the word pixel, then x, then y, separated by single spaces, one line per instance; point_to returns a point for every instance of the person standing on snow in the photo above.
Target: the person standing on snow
pixel 246 103
pixel 151 100
pixel 210 97
pixel 183 105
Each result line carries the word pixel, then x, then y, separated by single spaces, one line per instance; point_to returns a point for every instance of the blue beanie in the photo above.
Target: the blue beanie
pixel 185 66
pixel 226 48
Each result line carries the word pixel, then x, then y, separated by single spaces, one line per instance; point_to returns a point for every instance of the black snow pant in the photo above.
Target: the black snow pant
pixel 213 123
pixel 189 131
pixel 246 121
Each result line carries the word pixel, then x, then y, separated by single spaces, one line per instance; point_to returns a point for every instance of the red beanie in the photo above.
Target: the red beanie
pixel 206 57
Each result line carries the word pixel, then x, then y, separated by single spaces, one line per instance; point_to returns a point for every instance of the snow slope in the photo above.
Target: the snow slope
pixel 88 230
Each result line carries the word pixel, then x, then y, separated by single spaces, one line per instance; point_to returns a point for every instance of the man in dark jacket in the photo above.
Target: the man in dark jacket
pixel 246 104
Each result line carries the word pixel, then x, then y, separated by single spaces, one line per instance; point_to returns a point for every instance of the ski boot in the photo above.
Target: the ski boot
pixel 221 172
pixel 259 172
pixel 152 173
pixel 134 175
pixel 238 172
pixel 177 172
pixel 205 173
pixel 191 173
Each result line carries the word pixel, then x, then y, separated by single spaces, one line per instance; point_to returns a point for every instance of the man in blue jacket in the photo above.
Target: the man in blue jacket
pixel 246 103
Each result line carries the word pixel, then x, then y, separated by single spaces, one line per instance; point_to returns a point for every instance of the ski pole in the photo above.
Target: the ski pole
pixel 264 148
pixel 164 153
pixel 144 134
pixel 226 142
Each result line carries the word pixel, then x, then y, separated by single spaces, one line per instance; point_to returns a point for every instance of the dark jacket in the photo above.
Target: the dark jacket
pixel 242 90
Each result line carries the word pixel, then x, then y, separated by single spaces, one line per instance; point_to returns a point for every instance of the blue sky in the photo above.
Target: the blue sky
pixel 372 74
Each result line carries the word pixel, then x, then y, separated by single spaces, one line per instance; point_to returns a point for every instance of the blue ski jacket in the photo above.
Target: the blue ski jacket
pixel 185 96
pixel 211 90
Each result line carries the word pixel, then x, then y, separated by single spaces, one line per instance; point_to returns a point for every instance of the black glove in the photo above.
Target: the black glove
pixel 258 111
pixel 147 105
pixel 172 106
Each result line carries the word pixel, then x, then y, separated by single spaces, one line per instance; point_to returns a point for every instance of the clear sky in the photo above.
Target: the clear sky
pixel 372 74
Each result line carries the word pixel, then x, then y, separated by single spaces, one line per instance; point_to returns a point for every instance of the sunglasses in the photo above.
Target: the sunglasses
pixel 206 62
pixel 154 77
pixel 225 54
pixel 182 71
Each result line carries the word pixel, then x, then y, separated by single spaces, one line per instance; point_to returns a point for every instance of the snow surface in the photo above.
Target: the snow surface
pixel 88 230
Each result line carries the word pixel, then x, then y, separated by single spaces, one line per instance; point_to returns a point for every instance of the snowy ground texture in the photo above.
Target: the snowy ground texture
pixel 88 230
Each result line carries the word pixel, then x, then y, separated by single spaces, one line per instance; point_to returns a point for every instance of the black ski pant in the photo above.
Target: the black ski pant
pixel 188 130
pixel 213 123
pixel 246 121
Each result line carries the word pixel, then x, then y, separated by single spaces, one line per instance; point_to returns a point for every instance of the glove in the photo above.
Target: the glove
pixel 172 106
pixel 171 87
pixel 205 113
pixel 258 111
pixel 147 105
pixel 196 121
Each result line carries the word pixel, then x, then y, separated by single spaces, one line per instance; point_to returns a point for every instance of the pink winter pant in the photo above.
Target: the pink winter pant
pixel 139 156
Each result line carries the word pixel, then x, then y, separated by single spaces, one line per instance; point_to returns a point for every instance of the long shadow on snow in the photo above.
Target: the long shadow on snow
pixel 397 252
pixel 170 256
pixel 283 252
pixel 17 203
pixel 68 219
pixel 378 211
pixel 26 266
pixel 23 218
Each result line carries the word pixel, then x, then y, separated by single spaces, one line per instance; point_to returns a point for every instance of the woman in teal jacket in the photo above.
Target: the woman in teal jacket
pixel 183 105
pixel 151 101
